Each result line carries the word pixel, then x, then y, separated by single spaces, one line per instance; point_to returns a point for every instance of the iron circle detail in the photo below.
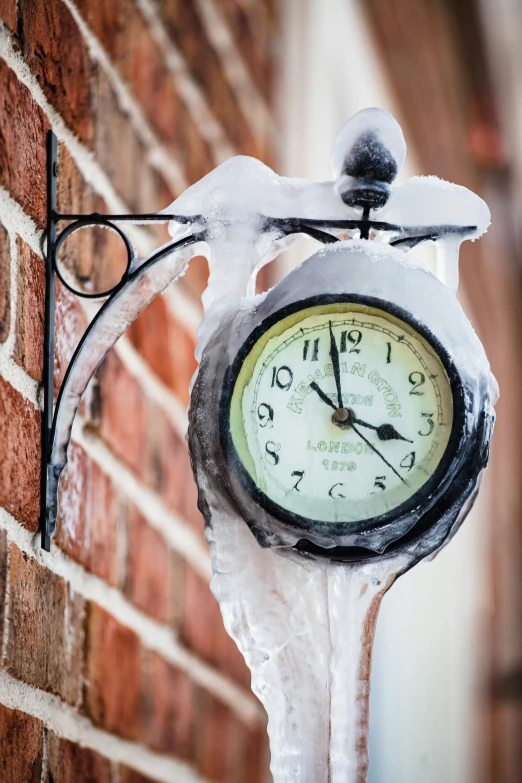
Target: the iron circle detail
pixel 76 226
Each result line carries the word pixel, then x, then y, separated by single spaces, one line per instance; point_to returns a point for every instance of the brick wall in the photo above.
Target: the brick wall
pixel 114 663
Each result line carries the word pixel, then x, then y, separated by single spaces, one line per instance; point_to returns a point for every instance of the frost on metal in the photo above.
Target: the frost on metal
pixel 303 623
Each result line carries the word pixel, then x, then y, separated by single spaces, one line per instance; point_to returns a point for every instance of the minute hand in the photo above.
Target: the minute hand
pixel 379 454
pixel 334 353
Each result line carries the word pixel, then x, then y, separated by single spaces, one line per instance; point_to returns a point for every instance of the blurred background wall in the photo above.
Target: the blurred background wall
pixel 113 662
pixel 447 668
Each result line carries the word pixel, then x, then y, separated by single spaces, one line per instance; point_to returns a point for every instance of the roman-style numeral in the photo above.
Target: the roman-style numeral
pixel 315 350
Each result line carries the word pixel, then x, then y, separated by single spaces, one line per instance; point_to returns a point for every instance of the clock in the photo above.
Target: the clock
pixel 347 421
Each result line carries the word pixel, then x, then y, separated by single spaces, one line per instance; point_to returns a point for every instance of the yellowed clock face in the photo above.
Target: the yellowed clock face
pixel 341 412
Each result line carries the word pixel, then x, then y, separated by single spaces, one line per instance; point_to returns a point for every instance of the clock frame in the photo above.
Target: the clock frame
pixel 372 528
pixel 424 520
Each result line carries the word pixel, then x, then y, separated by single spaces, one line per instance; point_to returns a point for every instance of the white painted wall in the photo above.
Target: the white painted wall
pixel 427 652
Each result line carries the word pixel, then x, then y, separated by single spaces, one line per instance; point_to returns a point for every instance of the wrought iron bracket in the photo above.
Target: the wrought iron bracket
pixel 323 230
pixel 55 238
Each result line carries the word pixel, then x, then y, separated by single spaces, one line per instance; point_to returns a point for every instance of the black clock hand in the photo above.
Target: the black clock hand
pixel 384 431
pixel 379 454
pixel 322 395
pixel 334 353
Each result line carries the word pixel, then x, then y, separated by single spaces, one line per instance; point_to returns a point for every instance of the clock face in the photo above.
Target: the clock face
pixel 340 413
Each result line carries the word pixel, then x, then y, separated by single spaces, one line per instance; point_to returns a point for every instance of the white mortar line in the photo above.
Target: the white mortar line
pixel 15 221
pixel 162 160
pixel 251 102
pixel 19 380
pixel 6 624
pixel 64 721
pixel 192 96
pixel 155 636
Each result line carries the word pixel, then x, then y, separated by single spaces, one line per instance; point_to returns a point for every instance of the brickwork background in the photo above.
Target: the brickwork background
pixel 114 665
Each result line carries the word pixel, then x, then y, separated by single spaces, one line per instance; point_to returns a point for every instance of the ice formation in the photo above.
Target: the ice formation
pixel 304 623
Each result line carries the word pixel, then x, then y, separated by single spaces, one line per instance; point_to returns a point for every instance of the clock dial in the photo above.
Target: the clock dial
pixel 341 413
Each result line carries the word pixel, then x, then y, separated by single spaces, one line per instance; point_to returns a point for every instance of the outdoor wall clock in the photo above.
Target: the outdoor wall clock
pixel 339 424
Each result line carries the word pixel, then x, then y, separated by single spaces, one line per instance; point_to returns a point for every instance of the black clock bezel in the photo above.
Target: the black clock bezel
pixel 425 497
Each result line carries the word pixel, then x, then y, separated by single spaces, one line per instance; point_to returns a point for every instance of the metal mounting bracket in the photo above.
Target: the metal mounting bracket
pixel 55 238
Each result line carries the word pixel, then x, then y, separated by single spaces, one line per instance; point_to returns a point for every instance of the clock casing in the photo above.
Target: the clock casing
pixel 369 278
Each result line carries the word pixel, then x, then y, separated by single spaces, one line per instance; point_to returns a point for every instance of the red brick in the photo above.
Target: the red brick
pixel 115 143
pixel 187 32
pixel 107 21
pixel 20 463
pixel 257 765
pixel 252 32
pixel 21 747
pixel 201 616
pixel 170 709
pixel 23 127
pixel 5 284
pixel 143 66
pixel 55 52
pixel 123 412
pixel 212 738
pixel 124 158
pixel 177 568
pixel 166 345
pixel 3 582
pixel 176 481
pixel 30 312
pixel 224 749
pixel 148 582
pixel 193 149
pixel 92 260
pixel 71 763
pixel 246 753
pixel 45 642
pixel 74 195
pixel 203 632
pixel 113 698
pixel 129 775
pixel 88 516
pixel 8 13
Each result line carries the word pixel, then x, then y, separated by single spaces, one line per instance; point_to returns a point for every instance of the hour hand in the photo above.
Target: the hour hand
pixel 388 432
pixel 322 395
pixel 384 431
